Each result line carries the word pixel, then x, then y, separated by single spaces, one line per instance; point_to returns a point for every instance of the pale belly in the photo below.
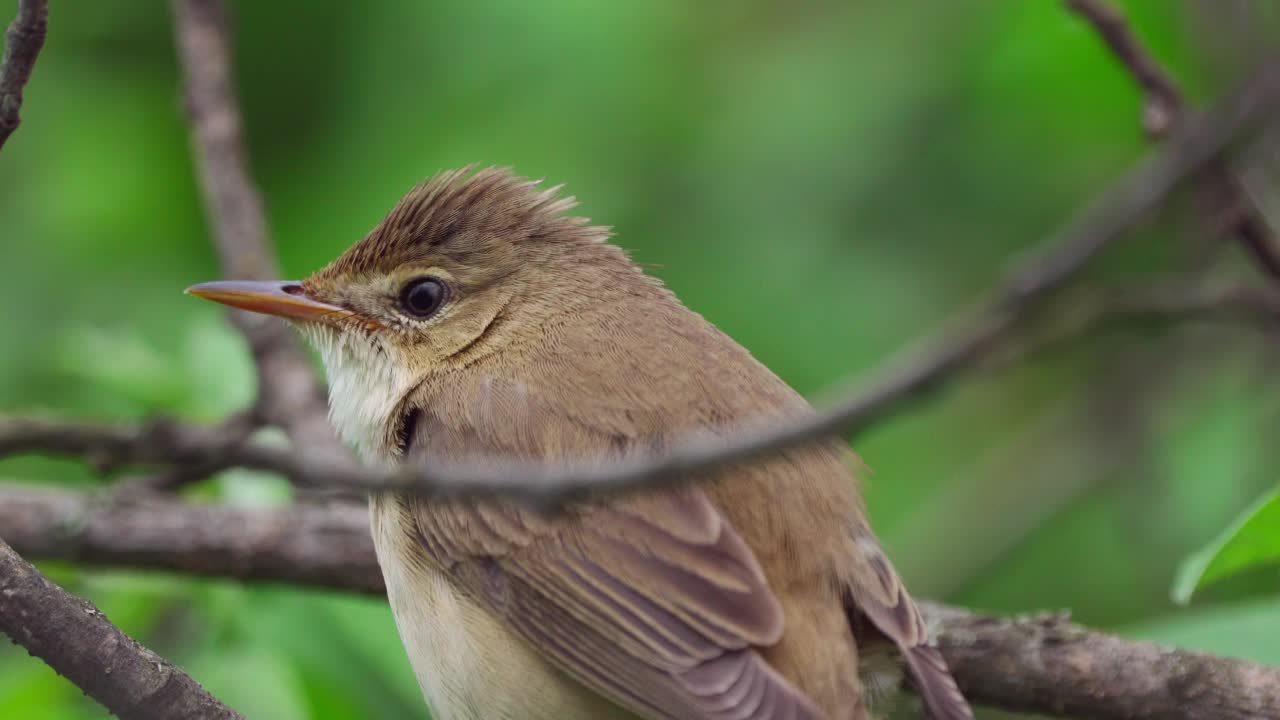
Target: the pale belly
pixel 469 666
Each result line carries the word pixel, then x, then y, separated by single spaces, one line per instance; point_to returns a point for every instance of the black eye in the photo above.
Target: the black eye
pixel 422 297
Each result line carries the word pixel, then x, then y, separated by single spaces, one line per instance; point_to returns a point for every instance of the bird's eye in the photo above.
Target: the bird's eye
pixel 423 297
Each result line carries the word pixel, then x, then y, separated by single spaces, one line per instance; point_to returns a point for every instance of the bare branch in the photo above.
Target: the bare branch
pixel 1163 111
pixel 22 44
pixel 1164 105
pixel 309 545
pixel 1042 665
pixel 79 642
pixel 288 393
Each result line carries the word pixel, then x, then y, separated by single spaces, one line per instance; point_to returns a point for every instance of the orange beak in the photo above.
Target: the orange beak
pixel 286 299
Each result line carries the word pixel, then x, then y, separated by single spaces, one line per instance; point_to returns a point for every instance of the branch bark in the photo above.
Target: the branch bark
pixel 321 545
pixel 1045 664
pixel 1042 664
pixel 289 394
pixel 82 645
pixel 22 44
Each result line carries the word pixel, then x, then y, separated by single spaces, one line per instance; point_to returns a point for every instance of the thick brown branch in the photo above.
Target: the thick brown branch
pixel 288 394
pixel 1042 665
pixel 22 44
pixel 79 642
pixel 312 545
pixel 1047 665
pixel 1163 111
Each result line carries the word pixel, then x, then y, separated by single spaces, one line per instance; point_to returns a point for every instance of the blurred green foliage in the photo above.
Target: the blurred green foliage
pixel 824 180
pixel 1252 542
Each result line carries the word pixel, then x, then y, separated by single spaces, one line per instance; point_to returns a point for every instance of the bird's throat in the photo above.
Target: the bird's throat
pixel 366 385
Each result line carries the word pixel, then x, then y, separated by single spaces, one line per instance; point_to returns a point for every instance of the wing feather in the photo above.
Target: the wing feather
pixel 653 601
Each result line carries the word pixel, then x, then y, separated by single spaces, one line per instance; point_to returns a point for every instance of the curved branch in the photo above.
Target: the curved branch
pixel 82 645
pixel 1040 664
pixel 22 44
pixel 179 447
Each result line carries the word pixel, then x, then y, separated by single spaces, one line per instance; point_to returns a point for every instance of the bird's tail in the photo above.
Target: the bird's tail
pixel 932 679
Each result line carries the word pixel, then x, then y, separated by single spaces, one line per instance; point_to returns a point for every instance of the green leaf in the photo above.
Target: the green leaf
pixel 1252 540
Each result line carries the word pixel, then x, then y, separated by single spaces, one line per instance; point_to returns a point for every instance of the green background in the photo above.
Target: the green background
pixel 825 180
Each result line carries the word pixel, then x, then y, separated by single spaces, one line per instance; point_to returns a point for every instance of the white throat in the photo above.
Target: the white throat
pixel 365 384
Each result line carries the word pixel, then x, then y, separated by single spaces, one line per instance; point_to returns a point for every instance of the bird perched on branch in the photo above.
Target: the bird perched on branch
pixel 480 321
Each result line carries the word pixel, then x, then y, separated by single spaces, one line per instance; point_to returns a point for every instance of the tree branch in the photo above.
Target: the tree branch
pixel 81 644
pixel 289 394
pixel 1164 110
pixel 310 545
pixel 22 44
pixel 1043 665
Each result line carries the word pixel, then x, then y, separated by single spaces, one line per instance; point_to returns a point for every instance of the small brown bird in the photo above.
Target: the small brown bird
pixel 478 320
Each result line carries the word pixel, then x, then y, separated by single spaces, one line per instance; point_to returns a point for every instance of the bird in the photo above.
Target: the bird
pixel 481 321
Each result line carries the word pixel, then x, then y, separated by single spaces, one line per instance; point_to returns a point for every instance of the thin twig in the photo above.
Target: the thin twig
pixel 22 44
pixel 1169 302
pixel 288 393
pixel 1163 111
pixel 82 645
pixel 1040 664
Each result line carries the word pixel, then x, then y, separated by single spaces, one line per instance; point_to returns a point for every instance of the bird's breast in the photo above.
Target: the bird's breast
pixel 469 665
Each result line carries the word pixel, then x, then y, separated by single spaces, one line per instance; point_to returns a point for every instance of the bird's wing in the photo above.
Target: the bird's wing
pixel 877 594
pixel 651 600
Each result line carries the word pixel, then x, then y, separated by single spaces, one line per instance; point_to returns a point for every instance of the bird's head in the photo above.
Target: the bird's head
pixel 464 265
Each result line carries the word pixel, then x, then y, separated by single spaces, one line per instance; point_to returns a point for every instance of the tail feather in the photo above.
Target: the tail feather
pixel 932 679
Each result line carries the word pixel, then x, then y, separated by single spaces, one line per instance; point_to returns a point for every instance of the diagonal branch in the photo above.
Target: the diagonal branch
pixel 1040 664
pixel 81 644
pixel 1163 111
pixel 22 44
pixel 288 393
pixel 202 450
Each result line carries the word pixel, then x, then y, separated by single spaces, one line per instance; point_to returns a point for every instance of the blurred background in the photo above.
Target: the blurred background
pixel 824 180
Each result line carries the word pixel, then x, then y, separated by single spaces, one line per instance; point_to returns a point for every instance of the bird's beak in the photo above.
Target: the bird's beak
pixel 286 299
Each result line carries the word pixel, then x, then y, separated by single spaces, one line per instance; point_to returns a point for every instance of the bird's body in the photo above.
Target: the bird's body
pixel 756 591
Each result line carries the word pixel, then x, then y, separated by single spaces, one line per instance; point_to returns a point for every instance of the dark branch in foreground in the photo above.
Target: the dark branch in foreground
pixel 288 392
pixel 1043 665
pixel 78 641
pixel 179 447
pixel 22 44
pixel 1165 110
